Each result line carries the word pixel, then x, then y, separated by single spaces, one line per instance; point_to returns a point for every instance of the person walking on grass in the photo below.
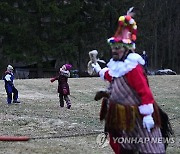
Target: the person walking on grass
pixel 131 110
pixel 63 86
pixel 12 92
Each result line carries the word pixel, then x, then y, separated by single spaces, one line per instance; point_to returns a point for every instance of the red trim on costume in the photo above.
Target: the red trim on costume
pixel 138 81
pixel 107 76
pixel 114 145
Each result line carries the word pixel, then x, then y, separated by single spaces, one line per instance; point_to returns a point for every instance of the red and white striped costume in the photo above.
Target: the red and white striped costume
pixel 131 70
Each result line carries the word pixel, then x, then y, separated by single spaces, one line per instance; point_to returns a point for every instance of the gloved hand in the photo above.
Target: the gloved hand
pixel 96 67
pixel 53 79
pixel 148 122
pixel 101 94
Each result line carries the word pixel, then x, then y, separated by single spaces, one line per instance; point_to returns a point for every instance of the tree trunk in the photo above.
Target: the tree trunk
pixel 79 56
pixel 169 14
pixel 155 35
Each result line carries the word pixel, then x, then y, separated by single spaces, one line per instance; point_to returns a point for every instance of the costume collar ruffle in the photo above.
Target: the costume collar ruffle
pixel 120 68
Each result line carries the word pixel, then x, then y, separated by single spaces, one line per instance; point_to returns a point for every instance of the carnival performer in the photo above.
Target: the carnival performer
pixel 11 91
pixel 131 112
pixel 63 86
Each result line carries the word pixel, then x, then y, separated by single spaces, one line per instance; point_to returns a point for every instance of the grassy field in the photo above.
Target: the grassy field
pixel 58 130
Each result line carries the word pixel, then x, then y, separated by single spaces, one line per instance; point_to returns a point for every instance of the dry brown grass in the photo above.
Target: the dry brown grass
pixel 39 115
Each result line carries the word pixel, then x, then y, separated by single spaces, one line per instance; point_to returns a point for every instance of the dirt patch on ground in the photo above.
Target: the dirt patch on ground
pixel 58 130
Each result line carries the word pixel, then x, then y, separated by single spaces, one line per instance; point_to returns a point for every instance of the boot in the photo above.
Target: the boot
pixel 15 101
pixel 61 103
pixel 61 100
pixel 68 104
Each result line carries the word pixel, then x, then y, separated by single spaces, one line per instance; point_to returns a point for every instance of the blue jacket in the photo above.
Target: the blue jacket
pixel 8 79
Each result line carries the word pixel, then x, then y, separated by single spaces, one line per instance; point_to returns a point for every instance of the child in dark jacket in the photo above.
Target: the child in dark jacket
pixel 63 86
pixel 12 92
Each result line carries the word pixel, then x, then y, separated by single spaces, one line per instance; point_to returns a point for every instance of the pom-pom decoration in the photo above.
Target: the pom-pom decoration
pixel 121 18
pixel 131 21
pixel 133 37
pixel 128 18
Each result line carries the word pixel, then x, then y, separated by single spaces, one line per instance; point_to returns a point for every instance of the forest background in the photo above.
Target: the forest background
pixel 34 31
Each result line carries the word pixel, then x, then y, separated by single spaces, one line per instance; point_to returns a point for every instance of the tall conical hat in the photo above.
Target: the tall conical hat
pixel 126 32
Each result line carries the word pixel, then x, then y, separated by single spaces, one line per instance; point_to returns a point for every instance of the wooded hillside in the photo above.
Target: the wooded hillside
pixel 65 31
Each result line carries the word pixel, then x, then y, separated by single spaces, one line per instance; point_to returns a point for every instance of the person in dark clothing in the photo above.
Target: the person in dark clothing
pixel 63 86
pixel 145 57
pixel 9 85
